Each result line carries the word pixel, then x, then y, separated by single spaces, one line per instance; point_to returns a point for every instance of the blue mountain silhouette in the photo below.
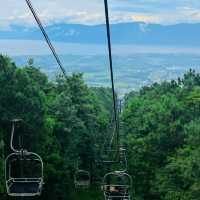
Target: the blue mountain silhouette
pixel 122 33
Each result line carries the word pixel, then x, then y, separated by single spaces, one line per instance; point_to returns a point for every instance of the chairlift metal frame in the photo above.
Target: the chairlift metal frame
pixel 79 183
pixel 82 178
pixel 18 186
pixel 118 191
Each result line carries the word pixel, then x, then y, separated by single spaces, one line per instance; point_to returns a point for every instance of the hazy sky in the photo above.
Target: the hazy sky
pixel 92 11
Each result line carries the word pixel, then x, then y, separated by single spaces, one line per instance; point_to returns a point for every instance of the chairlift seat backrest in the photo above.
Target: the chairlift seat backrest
pixel 18 181
pixel 82 179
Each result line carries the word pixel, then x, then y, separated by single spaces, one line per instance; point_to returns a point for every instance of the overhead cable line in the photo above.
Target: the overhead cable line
pixel 111 70
pixel 47 39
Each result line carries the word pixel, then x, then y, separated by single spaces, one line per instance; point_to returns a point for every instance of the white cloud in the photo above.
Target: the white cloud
pixel 85 11
pixel 145 18
pixel 92 11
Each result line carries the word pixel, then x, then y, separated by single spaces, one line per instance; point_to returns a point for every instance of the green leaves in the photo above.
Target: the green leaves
pixel 162 127
pixel 63 122
pixel 66 121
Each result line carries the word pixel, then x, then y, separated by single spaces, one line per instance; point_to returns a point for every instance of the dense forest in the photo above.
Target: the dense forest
pixel 66 122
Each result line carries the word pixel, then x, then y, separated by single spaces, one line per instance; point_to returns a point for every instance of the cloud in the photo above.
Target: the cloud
pixel 92 11
pixel 83 11
pixel 145 18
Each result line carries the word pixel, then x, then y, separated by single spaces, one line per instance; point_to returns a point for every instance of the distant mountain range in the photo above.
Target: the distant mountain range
pixel 122 33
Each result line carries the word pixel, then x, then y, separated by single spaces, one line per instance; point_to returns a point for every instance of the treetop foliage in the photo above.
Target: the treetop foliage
pixel 67 123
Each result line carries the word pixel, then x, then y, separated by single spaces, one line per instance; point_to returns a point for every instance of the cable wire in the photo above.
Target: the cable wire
pixel 111 69
pixel 46 37
pixel 48 41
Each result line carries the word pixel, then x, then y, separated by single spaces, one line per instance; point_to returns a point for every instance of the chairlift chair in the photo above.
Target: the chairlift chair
pixel 20 178
pixel 109 157
pixel 117 185
pixel 82 179
pixel 114 156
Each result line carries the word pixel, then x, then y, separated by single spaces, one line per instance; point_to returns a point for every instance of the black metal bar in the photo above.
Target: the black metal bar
pixel 111 70
pixel 46 37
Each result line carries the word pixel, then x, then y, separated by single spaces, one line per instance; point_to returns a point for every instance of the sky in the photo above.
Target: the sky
pixel 92 11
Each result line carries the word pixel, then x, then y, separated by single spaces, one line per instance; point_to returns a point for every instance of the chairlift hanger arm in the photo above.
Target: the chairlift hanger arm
pixel 14 121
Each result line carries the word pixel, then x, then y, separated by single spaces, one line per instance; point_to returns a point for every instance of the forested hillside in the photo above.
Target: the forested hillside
pixel 66 121
pixel 163 136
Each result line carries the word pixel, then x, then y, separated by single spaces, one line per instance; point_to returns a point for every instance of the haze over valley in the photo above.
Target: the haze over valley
pixel 143 53
pixel 131 71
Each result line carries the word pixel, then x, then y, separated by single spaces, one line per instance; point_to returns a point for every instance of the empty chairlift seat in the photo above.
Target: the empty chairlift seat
pixel 23 171
pixel 82 179
pixel 24 175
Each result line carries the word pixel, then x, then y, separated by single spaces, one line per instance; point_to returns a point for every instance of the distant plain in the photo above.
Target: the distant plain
pixel 134 65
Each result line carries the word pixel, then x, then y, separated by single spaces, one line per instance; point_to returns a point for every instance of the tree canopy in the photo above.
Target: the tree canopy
pixel 67 123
